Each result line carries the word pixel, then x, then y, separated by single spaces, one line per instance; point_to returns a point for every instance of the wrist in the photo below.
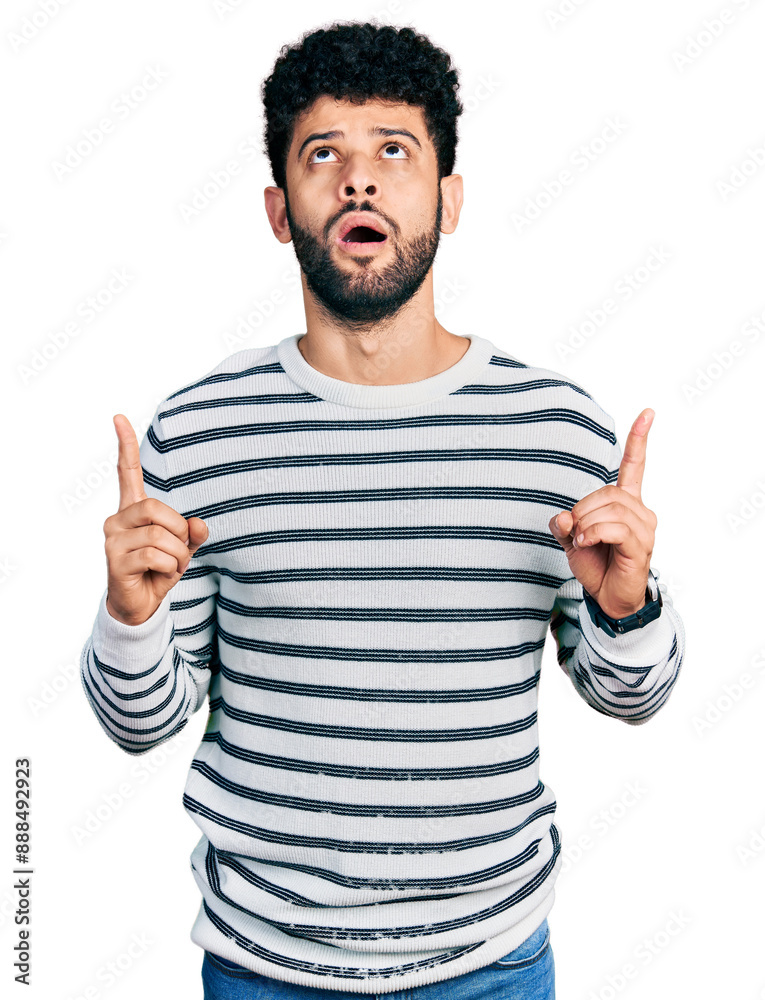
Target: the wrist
pixel 623 612
pixel 125 620
pixel 614 621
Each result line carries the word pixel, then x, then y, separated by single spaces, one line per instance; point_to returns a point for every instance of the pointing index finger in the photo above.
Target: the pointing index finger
pixel 129 469
pixel 632 465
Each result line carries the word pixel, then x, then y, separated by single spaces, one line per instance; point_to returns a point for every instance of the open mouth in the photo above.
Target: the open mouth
pixel 363 234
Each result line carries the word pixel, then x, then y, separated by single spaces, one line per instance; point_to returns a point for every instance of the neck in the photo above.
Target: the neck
pixel 408 346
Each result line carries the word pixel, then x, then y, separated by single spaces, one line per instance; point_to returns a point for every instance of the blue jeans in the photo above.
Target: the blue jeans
pixel 528 973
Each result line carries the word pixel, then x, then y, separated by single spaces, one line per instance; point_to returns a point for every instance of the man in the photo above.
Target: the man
pixel 353 542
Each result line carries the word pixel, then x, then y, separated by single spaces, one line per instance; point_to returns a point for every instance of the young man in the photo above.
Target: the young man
pixel 353 542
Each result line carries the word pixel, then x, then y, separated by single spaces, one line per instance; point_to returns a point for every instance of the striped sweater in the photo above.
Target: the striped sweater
pixel 367 619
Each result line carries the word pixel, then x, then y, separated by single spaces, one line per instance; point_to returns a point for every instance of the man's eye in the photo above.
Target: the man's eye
pixel 396 148
pixel 394 151
pixel 322 156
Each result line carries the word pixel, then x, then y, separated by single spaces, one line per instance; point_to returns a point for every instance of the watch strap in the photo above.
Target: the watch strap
pixel 648 613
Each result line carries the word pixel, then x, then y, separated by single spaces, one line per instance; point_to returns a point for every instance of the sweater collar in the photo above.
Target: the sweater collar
pixel 469 367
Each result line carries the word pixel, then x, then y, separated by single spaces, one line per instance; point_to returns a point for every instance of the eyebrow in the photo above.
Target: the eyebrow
pixel 377 130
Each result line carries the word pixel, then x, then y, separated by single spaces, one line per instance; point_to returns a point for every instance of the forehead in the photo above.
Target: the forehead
pixel 328 114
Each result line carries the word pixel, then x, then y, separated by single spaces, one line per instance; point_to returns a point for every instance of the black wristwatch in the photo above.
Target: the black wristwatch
pixel 648 613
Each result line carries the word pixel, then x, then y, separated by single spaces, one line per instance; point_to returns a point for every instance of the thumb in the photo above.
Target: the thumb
pixel 198 533
pixel 561 526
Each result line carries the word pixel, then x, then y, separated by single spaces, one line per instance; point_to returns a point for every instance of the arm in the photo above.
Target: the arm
pixel 144 681
pixel 628 677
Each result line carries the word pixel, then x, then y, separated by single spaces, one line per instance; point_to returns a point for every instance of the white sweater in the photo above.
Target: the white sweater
pixel 367 618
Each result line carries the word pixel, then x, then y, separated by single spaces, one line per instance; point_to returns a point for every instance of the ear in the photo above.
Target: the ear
pixel 451 193
pixel 277 214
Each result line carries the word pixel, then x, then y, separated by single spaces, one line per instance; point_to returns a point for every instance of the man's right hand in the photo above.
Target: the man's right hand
pixel 148 544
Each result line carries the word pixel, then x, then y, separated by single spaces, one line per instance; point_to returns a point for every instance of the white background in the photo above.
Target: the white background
pixel 686 343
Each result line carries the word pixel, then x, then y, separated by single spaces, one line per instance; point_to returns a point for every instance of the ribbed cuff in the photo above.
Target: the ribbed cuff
pixel 640 647
pixel 122 645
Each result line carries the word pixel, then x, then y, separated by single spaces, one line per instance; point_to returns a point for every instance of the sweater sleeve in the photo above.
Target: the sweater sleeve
pixel 144 681
pixel 627 676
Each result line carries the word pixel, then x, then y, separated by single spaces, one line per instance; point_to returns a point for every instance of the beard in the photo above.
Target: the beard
pixel 369 295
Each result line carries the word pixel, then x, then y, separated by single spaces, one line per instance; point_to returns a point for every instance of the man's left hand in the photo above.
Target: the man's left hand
pixel 613 558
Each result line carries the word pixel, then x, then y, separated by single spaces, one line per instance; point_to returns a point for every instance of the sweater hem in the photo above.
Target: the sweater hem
pixel 363 979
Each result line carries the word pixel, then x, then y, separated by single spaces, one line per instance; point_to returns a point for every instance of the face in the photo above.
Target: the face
pixel 370 169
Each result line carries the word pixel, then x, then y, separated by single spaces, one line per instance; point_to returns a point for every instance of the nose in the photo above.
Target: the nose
pixel 359 177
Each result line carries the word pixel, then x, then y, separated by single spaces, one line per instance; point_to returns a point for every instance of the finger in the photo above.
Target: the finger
pixel 615 533
pixel 139 560
pixel 153 511
pixel 158 538
pixel 602 498
pixel 632 465
pixel 615 513
pixel 129 469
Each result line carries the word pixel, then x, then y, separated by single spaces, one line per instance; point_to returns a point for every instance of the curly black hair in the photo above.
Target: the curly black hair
pixel 361 62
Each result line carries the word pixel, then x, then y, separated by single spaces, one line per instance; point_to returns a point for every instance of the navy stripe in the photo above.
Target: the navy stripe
pixel 558 501
pixel 564 459
pixel 358 846
pixel 336 692
pixel 367 733
pixel 302 804
pixel 304 425
pixel 359 771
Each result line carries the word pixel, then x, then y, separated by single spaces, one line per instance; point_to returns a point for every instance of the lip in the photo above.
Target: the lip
pixel 361 219
pixel 361 248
